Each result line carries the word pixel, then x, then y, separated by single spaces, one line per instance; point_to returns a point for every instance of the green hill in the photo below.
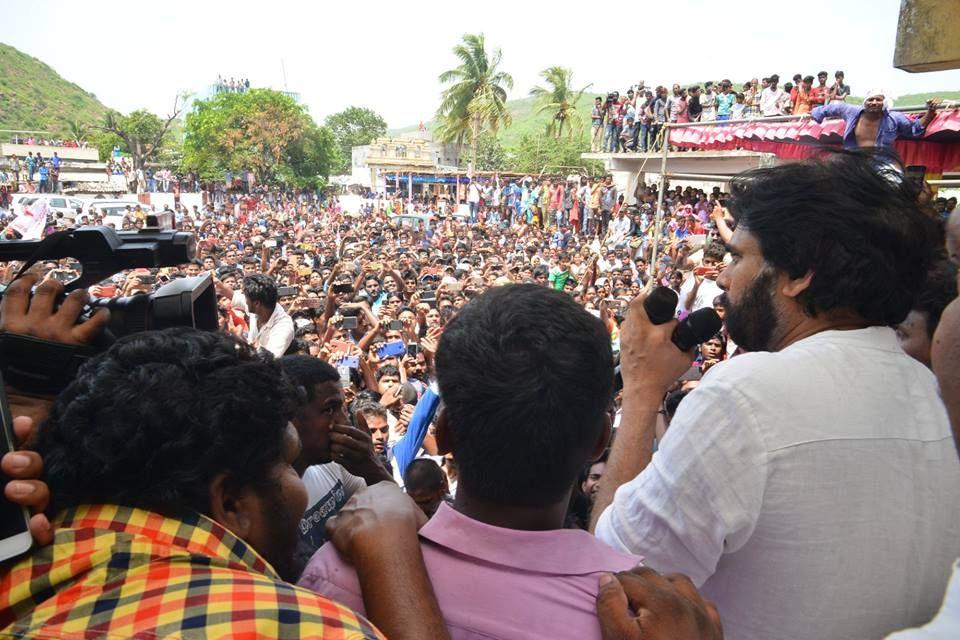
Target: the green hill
pixel 34 96
pixel 527 121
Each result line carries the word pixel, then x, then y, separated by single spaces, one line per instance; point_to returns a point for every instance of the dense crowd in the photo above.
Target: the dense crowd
pixel 469 360
pixel 47 142
pixel 633 122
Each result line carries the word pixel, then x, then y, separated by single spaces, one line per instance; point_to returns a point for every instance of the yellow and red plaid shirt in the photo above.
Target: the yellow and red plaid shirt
pixel 118 572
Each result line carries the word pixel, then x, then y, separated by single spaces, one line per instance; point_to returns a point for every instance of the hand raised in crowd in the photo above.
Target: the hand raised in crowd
pixel 403 420
pixel 393 397
pixel 353 449
pixel 430 342
pixel 25 488
pixel 641 604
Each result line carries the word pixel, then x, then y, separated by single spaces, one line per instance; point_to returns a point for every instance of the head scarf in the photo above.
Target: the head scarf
pixel 887 100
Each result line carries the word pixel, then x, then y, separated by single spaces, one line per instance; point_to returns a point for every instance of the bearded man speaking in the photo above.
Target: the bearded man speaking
pixel 809 486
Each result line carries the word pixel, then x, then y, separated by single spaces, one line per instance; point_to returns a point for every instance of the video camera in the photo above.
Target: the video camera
pixel 41 365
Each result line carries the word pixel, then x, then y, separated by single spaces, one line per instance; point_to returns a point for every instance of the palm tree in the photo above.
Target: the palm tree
pixel 77 130
pixel 477 96
pixel 560 99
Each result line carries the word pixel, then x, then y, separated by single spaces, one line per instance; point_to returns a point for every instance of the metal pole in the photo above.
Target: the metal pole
pixel 658 215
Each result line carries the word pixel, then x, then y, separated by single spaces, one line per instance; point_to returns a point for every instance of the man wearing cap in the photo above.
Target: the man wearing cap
pixel 874 124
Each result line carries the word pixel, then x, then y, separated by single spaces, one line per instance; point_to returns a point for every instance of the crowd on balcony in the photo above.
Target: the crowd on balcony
pixel 231 86
pixel 633 122
pixel 47 142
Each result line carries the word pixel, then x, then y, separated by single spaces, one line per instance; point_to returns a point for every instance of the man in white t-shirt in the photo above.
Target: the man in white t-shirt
pixel 336 459
pixel 701 288
pixel 771 98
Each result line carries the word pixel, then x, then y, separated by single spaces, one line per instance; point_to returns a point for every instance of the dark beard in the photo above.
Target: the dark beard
pixel 752 320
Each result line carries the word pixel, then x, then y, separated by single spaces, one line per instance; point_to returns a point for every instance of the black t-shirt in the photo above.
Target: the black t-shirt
pixel 693 107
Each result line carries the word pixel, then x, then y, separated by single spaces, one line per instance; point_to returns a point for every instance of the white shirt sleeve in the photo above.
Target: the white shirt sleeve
pixel 278 338
pixel 351 483
pixel 702 493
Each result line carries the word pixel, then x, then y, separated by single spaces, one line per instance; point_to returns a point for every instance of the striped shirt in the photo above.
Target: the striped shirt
pixel 119 572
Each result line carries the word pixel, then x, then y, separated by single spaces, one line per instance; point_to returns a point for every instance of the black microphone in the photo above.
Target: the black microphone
pixel 697 327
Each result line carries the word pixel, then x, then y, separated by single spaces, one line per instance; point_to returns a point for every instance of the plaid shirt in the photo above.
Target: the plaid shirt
pixel 118 572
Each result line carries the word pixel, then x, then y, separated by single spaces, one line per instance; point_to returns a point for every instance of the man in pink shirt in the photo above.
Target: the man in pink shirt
pixel 526 379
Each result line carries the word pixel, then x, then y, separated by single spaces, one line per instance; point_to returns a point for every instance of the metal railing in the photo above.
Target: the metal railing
pixel 665 147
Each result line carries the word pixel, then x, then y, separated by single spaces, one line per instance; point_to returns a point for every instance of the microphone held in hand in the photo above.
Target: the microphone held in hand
pixel 697 327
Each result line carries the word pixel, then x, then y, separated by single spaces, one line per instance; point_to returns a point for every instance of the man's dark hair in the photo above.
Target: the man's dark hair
pixel 259 287
pixel 307 372
pixel 526 376
pixel 423 474
pixel 150 422
pixel 939 289
pixel 387 370
pixel 716 251
pixel 305 329
pixel 852 220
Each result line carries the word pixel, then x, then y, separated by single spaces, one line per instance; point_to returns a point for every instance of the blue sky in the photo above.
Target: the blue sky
pixel 387 55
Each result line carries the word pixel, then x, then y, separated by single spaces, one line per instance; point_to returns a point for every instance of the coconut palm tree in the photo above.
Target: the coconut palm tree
pixel 560 100
pixel 77 130
pixel 476 98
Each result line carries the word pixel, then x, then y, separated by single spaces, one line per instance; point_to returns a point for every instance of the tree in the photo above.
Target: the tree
pixel 476 99
pixel 354 127
pixel 260 130
pixel 559 100
pixel 143 134
pixel 491 156
pixel 77 130
pixel 534 153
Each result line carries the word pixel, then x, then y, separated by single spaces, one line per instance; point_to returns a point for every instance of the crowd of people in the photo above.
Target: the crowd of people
pixel 805 477
pixel 34 173
pixel 633 122
pixel 231 86
pixel 47 142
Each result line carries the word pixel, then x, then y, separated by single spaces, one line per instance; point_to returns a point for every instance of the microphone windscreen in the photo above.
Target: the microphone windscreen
pixel 661 305
pixel 697 327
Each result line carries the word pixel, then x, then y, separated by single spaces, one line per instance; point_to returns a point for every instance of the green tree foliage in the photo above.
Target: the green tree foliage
pixel 476 98
pixel 354 127
pixel 491 156
pixel 263 131
pixel 143 133
pixel 536 153
pixel 559 99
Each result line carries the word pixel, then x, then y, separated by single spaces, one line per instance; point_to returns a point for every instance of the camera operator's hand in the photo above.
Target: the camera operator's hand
pixel 25 468
pixel 19 313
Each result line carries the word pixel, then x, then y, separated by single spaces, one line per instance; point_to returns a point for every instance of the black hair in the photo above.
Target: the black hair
pixel 715 250
pixel 938 290
pixel 526 375
pixel 298 346
pixel 153 420
pixel 808 79
pixel 672 402
pixel 423 473
pixel 387 370
pixel 855 224
pixel 259 287
pixel 305 329
pixel 307 372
